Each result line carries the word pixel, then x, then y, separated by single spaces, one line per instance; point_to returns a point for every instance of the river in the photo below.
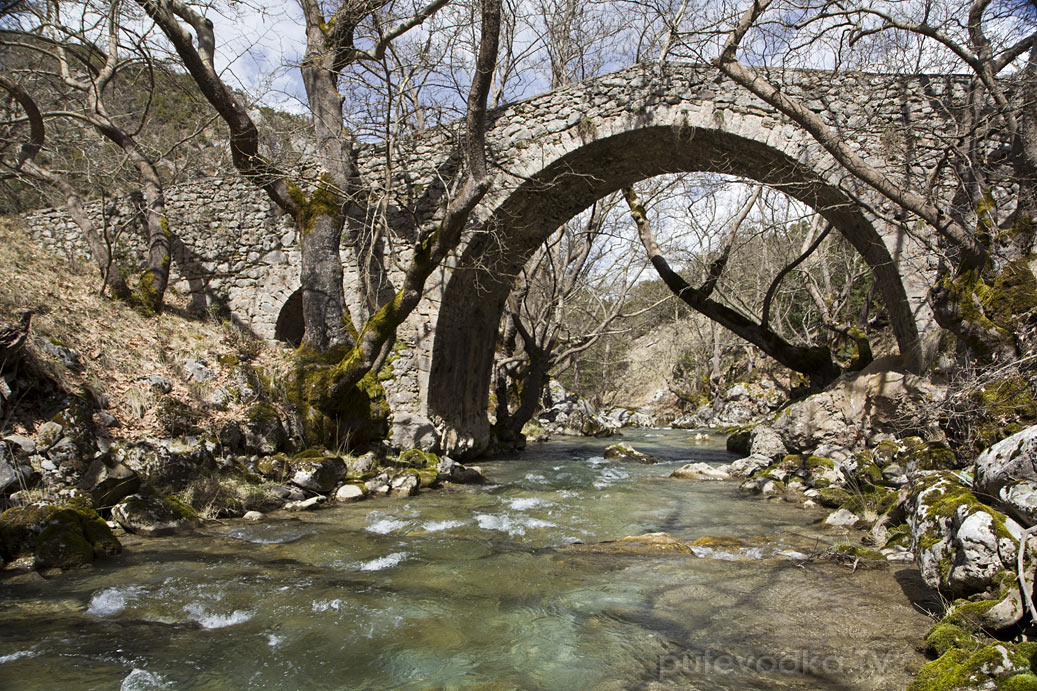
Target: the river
pixel 463 588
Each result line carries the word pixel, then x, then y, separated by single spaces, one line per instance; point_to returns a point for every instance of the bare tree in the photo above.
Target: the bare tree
pixel 339 353
pixel 86 54
pixel 989 225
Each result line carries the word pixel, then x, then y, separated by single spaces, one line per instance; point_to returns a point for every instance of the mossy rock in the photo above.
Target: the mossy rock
pixel 57 536
pixel 1007 406
pixel 416 458
pixel 994 665
pixel 311 452
pixel 884 453
pixel 945 636
pixel 876 500
pixel 922 455
pixel 832 497
pixel 153 515
pixel 899 536
pixel 854 554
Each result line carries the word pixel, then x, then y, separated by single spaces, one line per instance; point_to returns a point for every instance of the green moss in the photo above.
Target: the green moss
pixel 976 667
pixel 182 509
pixel 1026 681
pixel 944 637
pixel 884 453
pixel 416 458
pixel 832 497
pixel 325 201
pixel 311 452
pixel 923 455
pixel 1008 406
pixel 899 536
pixel 332 414
pixel 57 536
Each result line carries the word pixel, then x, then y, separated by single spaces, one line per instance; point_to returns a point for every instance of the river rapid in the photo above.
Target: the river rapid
pixel 465 588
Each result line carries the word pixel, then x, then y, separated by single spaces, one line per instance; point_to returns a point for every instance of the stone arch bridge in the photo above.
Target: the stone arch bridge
pixel 554 155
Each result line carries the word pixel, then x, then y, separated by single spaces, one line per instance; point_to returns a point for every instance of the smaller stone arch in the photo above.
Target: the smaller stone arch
pixel 290 326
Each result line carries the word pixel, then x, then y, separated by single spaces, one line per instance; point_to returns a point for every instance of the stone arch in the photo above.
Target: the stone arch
pixel 290 326
pixel 523 218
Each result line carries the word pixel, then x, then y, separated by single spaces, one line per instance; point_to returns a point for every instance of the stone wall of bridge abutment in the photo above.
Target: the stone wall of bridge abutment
pixel 553 155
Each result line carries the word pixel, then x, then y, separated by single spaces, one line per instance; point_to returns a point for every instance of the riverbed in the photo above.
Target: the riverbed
pixel 471 587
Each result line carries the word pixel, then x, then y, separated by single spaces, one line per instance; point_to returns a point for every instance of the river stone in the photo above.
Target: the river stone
pixel 349 493
pixel 450 470
pixel 108 483
pixel 286 493
pixel 404 485
pixel 764 441
pixel 378 484
pixel 843 518
pixel 152 516
pixel 253 516
pixel 649 544
pixel 320 476
pixel 305 504
pixel 362 465
pixel 625 452
pixel 700 471
pixel 744 467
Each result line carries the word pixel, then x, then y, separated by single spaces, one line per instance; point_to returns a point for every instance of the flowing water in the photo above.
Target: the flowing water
pixel 463 588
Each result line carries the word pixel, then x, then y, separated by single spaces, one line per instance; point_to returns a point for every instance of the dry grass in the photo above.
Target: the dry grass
pixel 118 346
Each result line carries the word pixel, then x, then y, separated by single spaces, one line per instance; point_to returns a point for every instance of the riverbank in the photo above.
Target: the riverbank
pixel 469 587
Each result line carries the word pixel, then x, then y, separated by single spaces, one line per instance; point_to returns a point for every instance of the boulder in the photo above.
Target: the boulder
pixel 171 464
pixel 764 441
pixel 1005 472
pixel 320 475
pixel 414 432
pixel 965 548
pixel 253 516
pixel 108 483
pixel 152 515
pixel 55 536
pixel 625 452
pixel 700 471
pixel 854 409
pixel 744 467
pixel 405 485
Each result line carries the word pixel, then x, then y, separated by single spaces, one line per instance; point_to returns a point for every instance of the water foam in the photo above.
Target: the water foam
pixel 211 620
pixel 112 600
pixel 386 562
